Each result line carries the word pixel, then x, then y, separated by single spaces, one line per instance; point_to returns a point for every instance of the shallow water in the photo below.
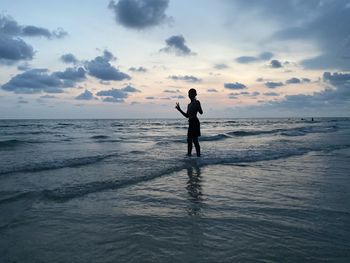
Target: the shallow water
pixel 266 190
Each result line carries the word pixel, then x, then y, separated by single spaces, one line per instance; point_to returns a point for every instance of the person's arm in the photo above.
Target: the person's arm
pixel 180 110
pixel 199 107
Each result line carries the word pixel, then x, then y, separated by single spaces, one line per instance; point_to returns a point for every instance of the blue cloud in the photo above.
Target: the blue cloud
pixel 187 78
pixel 69 58
pixel 275 64
pixel 86 95
pixel 40 80
pixel 235 86
pixel 249 59
pixel 273 85
pixel 139 69
pixel 101 68
pixel 293 81
pixel 176 44
pixel 140 14
pixel 113 95
pixel 13 49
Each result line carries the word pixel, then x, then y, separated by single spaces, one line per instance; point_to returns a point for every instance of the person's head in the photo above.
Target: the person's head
pixel 192 93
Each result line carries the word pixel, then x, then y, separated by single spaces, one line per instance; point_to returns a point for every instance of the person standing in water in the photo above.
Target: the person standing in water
pixel 194 130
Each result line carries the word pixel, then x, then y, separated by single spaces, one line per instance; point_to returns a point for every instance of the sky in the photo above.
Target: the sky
pixel 137 58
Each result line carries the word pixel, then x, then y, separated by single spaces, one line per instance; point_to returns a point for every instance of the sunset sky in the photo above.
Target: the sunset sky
pixel 136 58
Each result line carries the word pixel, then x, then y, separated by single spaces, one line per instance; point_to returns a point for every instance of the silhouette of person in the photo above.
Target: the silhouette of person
pixel 194 130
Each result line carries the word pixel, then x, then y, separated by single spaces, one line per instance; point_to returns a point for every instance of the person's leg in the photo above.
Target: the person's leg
pixel 196 144
pixel 189 146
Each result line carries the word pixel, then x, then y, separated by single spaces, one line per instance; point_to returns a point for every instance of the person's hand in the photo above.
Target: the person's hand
pixel 177 106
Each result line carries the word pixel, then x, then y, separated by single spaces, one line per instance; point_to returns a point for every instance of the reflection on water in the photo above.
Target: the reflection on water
pixel 194 190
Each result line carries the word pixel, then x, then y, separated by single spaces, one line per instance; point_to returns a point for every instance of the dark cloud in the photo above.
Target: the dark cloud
pixel 33 31
pixel 327 100
pixel 220 66
pixel 255 93
pixel 178 97
pixel 71 74
pixel 337 78
pixel 244 93
pixel 171 91
pixel 233 96
pixel 10 27
pixel 140 14
pixel 271 94
pixel 150 98
pixel 186 78
pixel 273 85
pixel 86 95
pixel 212 90
pixel 306 80
pixel 176 44
pixel 293 81
pixel 24 66
pixel 130 89
pixel 249 59
pixel 40 80
pixel 139 69
pixel 14 49
pixel 323 23
pixel 275 64
pixel 113 95
pixel 101 68
pixel 235 86
pixel 69 58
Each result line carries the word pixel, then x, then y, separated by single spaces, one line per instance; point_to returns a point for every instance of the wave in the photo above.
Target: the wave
pixel 217 137
pixel 54 165
pixel 15 143
pixel 299 131
pixel 66 193
pixel 99 137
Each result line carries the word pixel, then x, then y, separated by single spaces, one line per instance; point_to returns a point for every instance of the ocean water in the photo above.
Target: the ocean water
pixel 266 190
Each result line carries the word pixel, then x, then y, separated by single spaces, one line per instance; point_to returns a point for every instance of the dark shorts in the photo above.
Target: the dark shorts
pixel 194 128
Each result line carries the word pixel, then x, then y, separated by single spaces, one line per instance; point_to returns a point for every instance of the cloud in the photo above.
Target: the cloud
pixel 101 68
pixel 113 95
pixel 337 78
pixel 48 97
pixel 24 66
pixel 171 91
pixel 40 80
pixel 176 44
pixel 10 27
pixel 130 89
pixel 255 93
pixel 86 95
pixel 212 90
pixel 293 81
pixel 178 97
pixel 150 98
pixel 273 85
pixel 275 64
pixel 249 59
pixel 220 66
pixel 186 78
pixel 327 100
pixel 71 74
pixel 235 86
pixel 140 14
pixel 271 94
pixel 139 69
pixel 69 58
pixel 322 23
pixel 13 49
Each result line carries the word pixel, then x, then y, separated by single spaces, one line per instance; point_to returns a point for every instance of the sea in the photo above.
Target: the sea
pixel 123 190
